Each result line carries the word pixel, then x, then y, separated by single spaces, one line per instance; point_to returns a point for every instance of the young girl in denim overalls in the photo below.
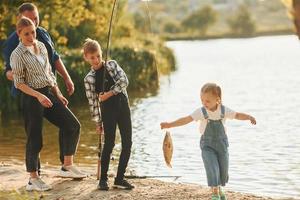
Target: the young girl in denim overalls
pixel 214 142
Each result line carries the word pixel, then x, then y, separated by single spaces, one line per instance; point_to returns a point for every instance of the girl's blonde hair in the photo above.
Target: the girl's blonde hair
pixel 91 46
pixel 24 22
pixel 212 88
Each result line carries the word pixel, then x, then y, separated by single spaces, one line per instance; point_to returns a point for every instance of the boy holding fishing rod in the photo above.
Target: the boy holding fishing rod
pixel 105 87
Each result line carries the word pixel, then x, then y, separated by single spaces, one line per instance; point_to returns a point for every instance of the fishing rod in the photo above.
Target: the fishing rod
pixel 108 41
pixel 151 176
pixel 101 136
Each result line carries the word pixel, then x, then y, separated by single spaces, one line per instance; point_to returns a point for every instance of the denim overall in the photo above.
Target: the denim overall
pixel 214 144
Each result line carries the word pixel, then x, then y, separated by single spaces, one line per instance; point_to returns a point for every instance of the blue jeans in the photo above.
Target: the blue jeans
pixel 214 144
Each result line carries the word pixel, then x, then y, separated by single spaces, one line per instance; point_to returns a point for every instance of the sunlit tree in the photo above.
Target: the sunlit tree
pixel 242 23
pixel 201 19
pixel 171 27
pixel 63 18
pixel 294 12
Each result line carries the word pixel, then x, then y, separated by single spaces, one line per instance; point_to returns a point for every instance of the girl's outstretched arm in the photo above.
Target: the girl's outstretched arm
pixel 243 116
pixel 179 122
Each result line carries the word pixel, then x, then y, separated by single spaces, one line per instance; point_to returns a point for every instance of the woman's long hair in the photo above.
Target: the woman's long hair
pixel 25 22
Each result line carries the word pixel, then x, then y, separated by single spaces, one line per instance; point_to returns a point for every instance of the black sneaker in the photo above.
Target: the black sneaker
pixel 123 184
pixel 103 185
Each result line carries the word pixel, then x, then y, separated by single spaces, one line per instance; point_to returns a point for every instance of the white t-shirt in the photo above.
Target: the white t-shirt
pixel 38 56
pixel 197 115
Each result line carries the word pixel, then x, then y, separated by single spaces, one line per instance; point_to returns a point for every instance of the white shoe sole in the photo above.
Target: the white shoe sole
pixel 121 187
pixel 66 174
pixel 33 188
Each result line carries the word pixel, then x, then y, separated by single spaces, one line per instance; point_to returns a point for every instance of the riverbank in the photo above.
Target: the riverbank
pixel 189 36
pixel 13 178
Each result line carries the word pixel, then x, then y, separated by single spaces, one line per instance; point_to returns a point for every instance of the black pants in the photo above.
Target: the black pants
pixel 59 115
pixel 115 111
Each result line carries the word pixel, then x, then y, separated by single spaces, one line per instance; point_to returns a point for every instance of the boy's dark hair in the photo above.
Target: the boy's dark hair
pixel 26 7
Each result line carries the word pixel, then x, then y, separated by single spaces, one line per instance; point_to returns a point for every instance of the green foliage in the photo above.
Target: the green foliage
pixel 201 19
pixel 124 27
pixel 168 62
pixel 171 27
pixel 140 22
pixel 8 104
pixel 77 69
pixel 76 35
pixel 242 23
pixel 8 11
pixel 139 66
pixel 270 17
pixel 151 16
pixel 65 20
pixel 75 14
pixel 142 65
pixel 273 6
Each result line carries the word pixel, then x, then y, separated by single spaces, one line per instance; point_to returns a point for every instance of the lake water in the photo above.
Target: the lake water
pixel 259 76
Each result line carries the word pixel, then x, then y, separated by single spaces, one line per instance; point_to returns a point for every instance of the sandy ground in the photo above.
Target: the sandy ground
pixel 14 178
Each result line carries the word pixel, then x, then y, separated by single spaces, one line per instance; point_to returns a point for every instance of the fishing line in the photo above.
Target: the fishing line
pixel 152 33
pixel 157 70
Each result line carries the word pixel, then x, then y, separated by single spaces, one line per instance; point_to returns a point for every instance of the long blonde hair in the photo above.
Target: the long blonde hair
pixel 212 88
pixel 25 22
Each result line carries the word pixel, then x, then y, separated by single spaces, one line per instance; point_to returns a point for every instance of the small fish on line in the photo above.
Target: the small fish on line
pixel 168 148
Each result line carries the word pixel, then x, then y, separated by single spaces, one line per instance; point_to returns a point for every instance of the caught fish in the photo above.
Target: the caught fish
pixel 168 149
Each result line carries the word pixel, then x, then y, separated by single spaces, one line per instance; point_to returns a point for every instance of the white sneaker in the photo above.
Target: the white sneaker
pixel 37 184
pixel 71 172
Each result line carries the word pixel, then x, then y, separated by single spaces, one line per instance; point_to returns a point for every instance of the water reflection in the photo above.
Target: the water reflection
pixel 13 139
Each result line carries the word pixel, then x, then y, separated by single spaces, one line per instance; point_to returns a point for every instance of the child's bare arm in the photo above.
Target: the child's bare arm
pixel 179 122
pixel 243 116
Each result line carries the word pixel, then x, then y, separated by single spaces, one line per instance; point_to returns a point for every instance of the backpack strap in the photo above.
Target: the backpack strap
pixel 222 111
pixel 204 113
